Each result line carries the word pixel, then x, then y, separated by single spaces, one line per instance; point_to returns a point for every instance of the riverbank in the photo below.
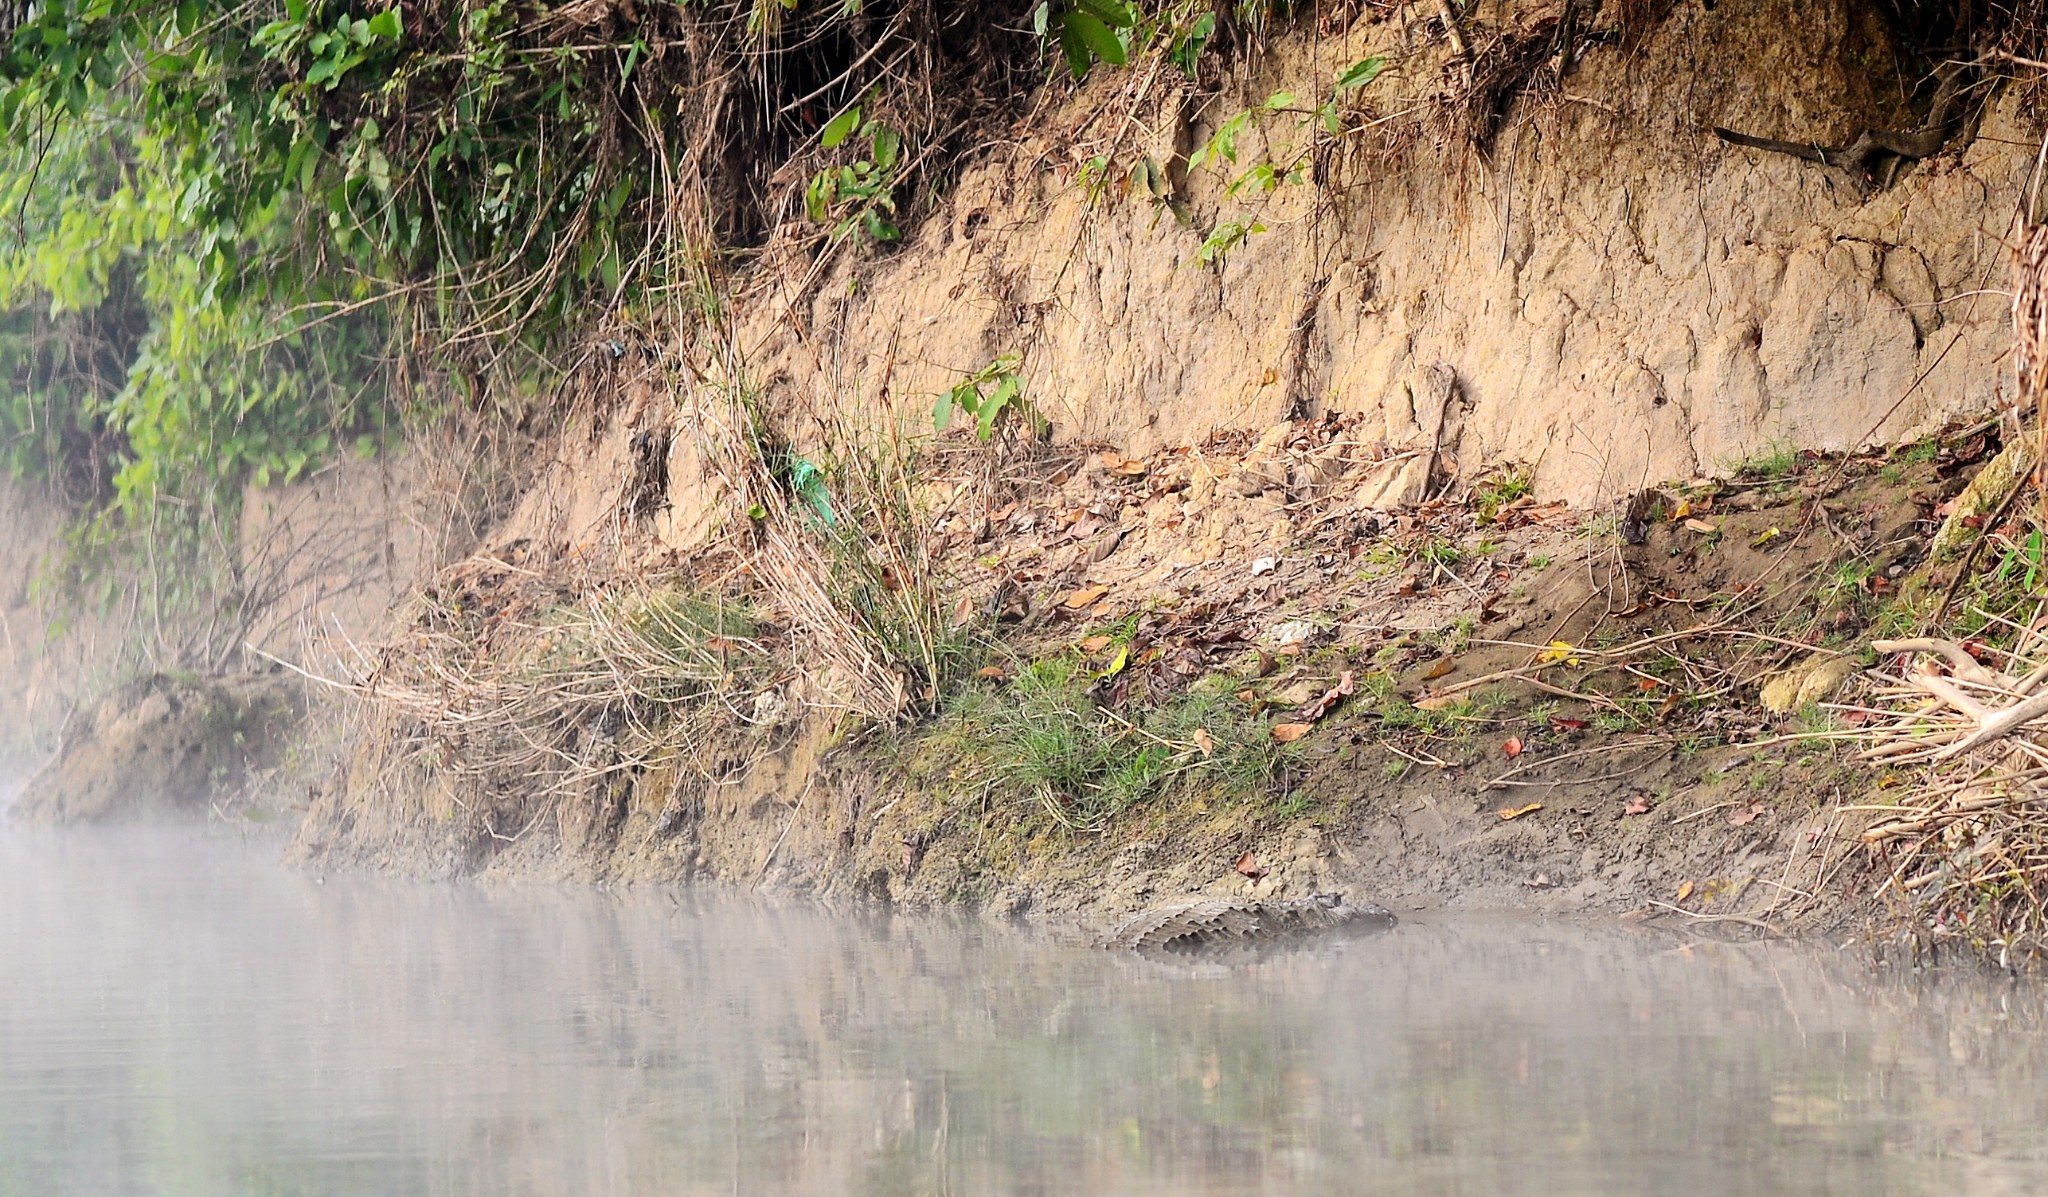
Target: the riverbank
pixel 1218 669
pixel 1236 474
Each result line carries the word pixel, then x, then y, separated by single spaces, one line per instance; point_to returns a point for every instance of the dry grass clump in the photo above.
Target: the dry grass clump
pixel 501 688
pixel 836 546
pixel 1967 845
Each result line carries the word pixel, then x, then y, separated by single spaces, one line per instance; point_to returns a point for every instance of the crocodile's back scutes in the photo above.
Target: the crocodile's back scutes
pixel 1186 928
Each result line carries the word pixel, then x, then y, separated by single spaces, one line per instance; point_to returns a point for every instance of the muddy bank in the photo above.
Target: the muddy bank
pixel 166 747
pixel 1485 703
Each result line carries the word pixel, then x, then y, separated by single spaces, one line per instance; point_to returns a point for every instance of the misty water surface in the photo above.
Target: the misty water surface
pixel 182 1016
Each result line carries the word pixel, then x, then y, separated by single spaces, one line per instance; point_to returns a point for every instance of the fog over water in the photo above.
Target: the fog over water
pixel 181 1015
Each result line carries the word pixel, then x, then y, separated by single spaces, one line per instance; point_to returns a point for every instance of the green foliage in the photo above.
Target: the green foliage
pixel 1043 737
pixel 1493 493
pixel 861 194
pixel 1088 32
pixel 1225 237
pixel 986 396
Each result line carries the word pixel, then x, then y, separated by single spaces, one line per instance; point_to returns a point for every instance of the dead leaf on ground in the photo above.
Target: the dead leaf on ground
pixel 1511 747
pixel 1637 805
pixel 1095 644
pixel 1701 526
pixel 1087 596
pixel 1517 812
pixel 1435 702
pixel 1685 891
pixel 1248 866
pixel 1745 815
pixel 1288 733
pixel 1347 685
pixel 1560 723
pixel 1204 741
pixel 1440 668
pixel 993 673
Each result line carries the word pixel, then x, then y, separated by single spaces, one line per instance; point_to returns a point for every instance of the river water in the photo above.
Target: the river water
pixel 180 1015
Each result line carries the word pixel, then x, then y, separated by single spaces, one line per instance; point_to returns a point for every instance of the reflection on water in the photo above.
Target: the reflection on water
pixel 180 1017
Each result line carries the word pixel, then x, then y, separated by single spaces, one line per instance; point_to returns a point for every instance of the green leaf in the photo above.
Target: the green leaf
pixel 1096 36
pixel 839 128
pixel 1360 73
pixel 387 26
pixel 1112 13
pixel 888 143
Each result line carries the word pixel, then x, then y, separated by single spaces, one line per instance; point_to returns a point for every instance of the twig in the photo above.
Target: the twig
pixel 1576 754
pixel 1744 920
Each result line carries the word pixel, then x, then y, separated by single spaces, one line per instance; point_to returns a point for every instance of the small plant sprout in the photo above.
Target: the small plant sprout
pixel 986 395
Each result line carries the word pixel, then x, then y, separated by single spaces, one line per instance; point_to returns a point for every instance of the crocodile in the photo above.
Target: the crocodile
pixel 1203 925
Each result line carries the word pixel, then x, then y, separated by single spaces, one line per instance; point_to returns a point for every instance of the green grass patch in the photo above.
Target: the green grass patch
pixel 1042 737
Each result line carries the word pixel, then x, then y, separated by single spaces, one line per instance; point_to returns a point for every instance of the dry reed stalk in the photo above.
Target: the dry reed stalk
pixel 1961 844
pixel 2030 345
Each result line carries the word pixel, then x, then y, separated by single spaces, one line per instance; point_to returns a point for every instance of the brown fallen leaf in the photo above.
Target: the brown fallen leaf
pixel 1517 812
pixel 1435 702
pixel 1347 685
pixel 1701 526
pixel 1248 866
pixel 1288 733
pixel 1560 723
pixel 1745 815
pixel 1087 596
pixel 1248 696
pixel 1095 644
pixel 1685 891
pixel 1511 747
pixel 1637 805
pixel 1204 741
pixel 1102 546
pixel 1441 667
pixel 993 673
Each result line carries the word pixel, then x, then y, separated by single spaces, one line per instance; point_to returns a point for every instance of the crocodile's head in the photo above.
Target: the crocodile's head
pixel 1365 916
